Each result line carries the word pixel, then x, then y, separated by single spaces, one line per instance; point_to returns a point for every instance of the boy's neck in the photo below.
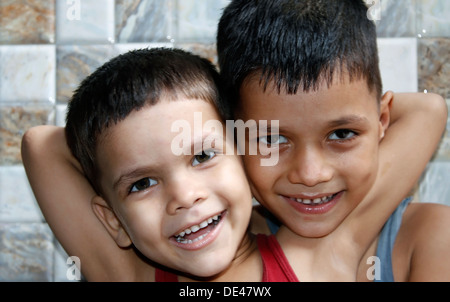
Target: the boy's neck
pixel 336 256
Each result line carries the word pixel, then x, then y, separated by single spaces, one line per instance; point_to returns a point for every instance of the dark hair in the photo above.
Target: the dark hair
pixel 129 82
pixel 297 44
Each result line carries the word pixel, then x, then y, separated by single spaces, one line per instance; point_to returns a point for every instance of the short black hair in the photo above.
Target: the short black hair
pixel 129 82
pixel 297 43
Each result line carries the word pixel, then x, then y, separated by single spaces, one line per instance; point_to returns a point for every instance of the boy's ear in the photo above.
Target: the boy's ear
pixel 109 219
pixel 385 112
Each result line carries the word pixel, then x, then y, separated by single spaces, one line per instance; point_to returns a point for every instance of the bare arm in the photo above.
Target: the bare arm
pixel 64 196
pixel 423 244
pixel 417 123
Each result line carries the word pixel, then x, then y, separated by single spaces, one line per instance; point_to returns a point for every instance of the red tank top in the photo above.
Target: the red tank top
pixel 276 267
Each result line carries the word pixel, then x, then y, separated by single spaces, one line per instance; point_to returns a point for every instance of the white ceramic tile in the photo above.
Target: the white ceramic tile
pixel 60 119
pixel 17 201
pixel 64 269
pixel 75 62
pixel 396 18
pixel 197 20
pixel 27 73
pixel 434 186
pixel 398 64
pixel 82 21
pixel 145 21
pixel 433 18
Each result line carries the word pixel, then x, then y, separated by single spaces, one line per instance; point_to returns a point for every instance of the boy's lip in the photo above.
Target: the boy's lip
pixel 313 203
pixel 204 234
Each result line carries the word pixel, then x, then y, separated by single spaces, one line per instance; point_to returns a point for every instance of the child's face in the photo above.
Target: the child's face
pixel 328 152
pixel 158 195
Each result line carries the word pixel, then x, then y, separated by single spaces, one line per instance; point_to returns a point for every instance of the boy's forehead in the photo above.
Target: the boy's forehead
pixel 271 85
pixel 343 97
pixel 159 119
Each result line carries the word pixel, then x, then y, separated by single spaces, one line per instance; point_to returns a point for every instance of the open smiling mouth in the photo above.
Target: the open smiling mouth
pixel 199 231
pixel 315 205
pixel 315 201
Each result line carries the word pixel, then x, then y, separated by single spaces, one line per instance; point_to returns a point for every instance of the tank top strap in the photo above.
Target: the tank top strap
pixel 276 267
pixel 164 276
pixel 386 241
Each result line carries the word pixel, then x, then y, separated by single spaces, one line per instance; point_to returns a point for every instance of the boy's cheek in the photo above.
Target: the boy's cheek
pixel 261 178
pixel 253 167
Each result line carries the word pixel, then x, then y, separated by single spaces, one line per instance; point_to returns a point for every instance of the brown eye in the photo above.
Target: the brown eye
pixel 342 134
pixel 273 139
pixel 142 184
pixel 203 157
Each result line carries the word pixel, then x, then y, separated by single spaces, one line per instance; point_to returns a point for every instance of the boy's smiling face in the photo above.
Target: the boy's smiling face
pixel 328 152
pixel 159 197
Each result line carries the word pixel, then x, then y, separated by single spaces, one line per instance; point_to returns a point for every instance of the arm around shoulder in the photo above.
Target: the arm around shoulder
pixel 417 122
pixel 64 196
pixel 429 107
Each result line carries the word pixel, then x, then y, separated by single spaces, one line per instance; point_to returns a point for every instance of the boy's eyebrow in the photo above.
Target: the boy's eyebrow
pixel 349 119
pixel 131 174
pixel 207 137
pixel 138 172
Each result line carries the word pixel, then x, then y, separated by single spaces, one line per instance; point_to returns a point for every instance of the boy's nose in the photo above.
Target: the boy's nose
pixel 309 167
pixel 184 191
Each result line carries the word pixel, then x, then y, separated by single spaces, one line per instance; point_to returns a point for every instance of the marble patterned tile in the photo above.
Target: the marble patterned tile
pixel 26 252
pixel 17 201
pixel 208 51
pixel 398 64
pixel 75 62
pixel 434 184
pixel 145 21
pixel 434 65
pixel 64 269
pixel 396 18
pixel 27 73
pixel 120 48
pixel 197 21
pixel 27 21
pixel 85 22
pixel 14 121
pixel 433 18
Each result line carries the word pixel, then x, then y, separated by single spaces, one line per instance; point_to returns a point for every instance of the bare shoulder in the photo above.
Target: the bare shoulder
pixel 423 244
pixel 423 217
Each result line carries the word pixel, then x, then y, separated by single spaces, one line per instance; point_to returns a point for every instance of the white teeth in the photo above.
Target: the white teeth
pixel 315 201
pixel 181 240
pixel 196 228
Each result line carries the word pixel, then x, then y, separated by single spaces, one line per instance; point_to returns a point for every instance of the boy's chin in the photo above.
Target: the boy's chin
pixel 310 229
pixel 209 269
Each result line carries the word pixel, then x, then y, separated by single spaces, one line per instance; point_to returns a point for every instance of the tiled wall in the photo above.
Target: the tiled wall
pixel 47 47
